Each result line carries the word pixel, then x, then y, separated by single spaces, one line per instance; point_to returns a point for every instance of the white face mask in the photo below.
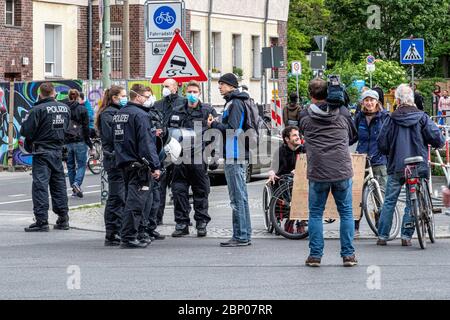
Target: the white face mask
pixel 150 101
pixel 166 92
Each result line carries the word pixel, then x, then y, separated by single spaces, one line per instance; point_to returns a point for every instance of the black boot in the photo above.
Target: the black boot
pixel 112 240
pixel 201 229
pixel 180 230
pixel 156 235
pixel 62 223
pixel 38 226
pixel 134 244
pixel 144 238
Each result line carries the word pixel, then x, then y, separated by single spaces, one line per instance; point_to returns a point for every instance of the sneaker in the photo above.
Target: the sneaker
pixel 381 242
pixel 156 235
pixel 77 190
pixel 350 261
pixel 144 238
pixel 235 243
pixel 38 226
pixel 134 244
pixel 406 243
pixel 312 262
pixel 112 241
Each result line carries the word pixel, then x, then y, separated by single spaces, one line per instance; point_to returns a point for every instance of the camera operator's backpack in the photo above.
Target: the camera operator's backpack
pixel 336 92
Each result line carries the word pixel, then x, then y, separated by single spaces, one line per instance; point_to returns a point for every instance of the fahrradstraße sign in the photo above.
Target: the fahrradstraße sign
pixel 162 19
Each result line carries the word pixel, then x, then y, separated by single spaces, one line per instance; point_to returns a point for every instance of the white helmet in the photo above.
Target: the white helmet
pixel 172 149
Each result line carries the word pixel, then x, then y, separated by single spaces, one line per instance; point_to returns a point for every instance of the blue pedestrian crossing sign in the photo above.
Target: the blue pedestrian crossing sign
pixel 412 51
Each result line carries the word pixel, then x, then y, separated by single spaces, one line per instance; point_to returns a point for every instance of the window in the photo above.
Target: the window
pixel 216 52
pixel 53 52
pixel 9 12
pixel 116 52
pixel 237 54
pixel 195 45
pixel 256 56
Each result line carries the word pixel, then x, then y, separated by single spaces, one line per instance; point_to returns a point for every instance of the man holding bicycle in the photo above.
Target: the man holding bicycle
pixel 407 132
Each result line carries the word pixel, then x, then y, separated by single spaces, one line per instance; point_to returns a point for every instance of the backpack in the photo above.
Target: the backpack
pixel 75 129
pixel 252 117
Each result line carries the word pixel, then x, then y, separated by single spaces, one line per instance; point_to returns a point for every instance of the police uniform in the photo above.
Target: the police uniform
pixel 116 188
pixel 165 107
pixel 44 132
pixel 133 142
pixel 194 175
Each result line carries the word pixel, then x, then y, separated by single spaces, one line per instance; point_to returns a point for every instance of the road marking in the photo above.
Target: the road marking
pixel 93 186
pixel 16 195
pixel 27 200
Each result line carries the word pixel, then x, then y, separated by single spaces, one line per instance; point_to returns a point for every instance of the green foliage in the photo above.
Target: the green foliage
pixel 238 71
pixel 426 88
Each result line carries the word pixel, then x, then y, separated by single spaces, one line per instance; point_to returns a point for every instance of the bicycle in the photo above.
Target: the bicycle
pixel 95 161
pixel 164 17
pixel 420 199
pixel 372 203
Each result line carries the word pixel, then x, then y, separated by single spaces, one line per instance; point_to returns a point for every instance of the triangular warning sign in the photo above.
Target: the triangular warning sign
pixel 178 63
pixel 412 54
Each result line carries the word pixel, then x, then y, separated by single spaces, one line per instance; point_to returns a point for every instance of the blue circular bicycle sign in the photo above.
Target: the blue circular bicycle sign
pixel 165 17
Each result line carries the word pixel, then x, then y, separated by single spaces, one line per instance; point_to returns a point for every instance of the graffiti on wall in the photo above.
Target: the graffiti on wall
pixel 4 93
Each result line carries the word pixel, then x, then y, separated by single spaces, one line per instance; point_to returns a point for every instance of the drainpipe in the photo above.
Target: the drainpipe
pixel 264 75
pixel 209 50
pixel 90 40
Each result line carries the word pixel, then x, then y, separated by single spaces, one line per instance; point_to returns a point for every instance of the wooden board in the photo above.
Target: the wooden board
pixel 299 205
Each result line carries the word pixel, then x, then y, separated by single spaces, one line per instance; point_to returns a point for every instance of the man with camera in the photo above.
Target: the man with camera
pixel 328 133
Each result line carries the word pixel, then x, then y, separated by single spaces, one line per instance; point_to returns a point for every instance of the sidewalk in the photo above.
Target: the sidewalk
pixel 220 211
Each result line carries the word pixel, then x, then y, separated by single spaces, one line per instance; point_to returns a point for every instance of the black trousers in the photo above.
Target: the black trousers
pixel 196 176
pixel 48 171
pixel 136 193
pixel 165 181
pixel 115 202
pixel 151 208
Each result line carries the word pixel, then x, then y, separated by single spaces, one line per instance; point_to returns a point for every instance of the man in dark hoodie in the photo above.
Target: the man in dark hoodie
pixel 77 141
pixel 235 155
pixel 327 134
pixel 407 132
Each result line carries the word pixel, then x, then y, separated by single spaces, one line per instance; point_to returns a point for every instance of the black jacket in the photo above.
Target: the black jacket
pixel 167 104
pixel 45 126
pixel 284 159
pixel 106 130
pixel 327 135
pixel 133 138
pixel 80 115
pixel 233 117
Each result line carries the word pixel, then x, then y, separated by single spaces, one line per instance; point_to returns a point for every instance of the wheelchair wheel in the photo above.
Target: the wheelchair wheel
pixel 279 211
pixel 267 194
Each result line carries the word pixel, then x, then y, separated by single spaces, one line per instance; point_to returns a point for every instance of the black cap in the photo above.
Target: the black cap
pixel 230 79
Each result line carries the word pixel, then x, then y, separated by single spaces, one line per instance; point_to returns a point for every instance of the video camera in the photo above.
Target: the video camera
pixel 336 91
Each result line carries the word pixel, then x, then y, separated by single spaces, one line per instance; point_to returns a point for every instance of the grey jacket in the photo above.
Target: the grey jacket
pixel 327 137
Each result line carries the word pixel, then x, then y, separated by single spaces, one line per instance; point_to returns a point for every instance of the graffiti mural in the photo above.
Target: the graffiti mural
pixel 4 95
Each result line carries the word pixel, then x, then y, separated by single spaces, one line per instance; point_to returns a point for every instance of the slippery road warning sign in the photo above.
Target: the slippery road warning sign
pixel 178 63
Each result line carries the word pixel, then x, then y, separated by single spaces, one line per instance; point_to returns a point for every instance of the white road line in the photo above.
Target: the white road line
pixel 93 186
pixel 16 195
pixel 27 200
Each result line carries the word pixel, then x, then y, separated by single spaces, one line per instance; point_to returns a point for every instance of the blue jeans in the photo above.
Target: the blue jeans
pixel 393 187
pixel 237 189
pixel 318 195
pixel 76 162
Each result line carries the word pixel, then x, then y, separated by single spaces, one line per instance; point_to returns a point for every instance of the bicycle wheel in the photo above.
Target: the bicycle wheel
pixel 428 204
pixel 95 161
pixel 420 226
pixel 372 205
pixel 267 194
pixel 279 209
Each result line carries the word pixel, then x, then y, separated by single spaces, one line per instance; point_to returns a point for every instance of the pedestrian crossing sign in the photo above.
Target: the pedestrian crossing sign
pixel 412 51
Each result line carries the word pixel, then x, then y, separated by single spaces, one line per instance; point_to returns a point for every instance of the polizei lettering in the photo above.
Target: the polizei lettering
pixel 121 118
pixel 57 109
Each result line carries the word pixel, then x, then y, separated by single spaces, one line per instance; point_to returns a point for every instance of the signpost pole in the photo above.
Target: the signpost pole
pixel 412 76
pixel 370 77
pixel 296 82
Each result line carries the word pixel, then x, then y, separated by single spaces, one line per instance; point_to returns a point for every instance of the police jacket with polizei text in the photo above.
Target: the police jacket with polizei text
pixel 167 104
pixel 133 138
pixel 46 124
pixel 407 132
pixel 106 129
pixel 233 118
pixel 79 114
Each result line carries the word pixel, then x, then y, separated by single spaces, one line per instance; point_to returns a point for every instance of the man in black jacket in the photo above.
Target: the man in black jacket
pixel 43 130
pixel 165 106
pixel 77 142
pixel 134 147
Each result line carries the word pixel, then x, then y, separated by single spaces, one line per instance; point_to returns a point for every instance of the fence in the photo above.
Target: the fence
pixel 25 94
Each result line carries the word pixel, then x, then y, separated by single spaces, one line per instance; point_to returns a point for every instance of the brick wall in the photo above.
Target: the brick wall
pixel 137 42
pixel 282 73
pixel 17 42
pixel 83 43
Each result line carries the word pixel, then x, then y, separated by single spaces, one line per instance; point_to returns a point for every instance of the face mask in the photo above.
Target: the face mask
pixel 149 102
pixel 192 98
pixel 166 92
pixel 123 101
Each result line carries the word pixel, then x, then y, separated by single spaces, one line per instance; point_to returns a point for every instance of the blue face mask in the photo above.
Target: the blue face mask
pixel 123 101
pixel 192 98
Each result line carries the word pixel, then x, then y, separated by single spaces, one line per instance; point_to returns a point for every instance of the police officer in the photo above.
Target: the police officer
pixel 165 106
pixel 135 152
pixel 192 171
pixel 44 136
pixel 113 100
